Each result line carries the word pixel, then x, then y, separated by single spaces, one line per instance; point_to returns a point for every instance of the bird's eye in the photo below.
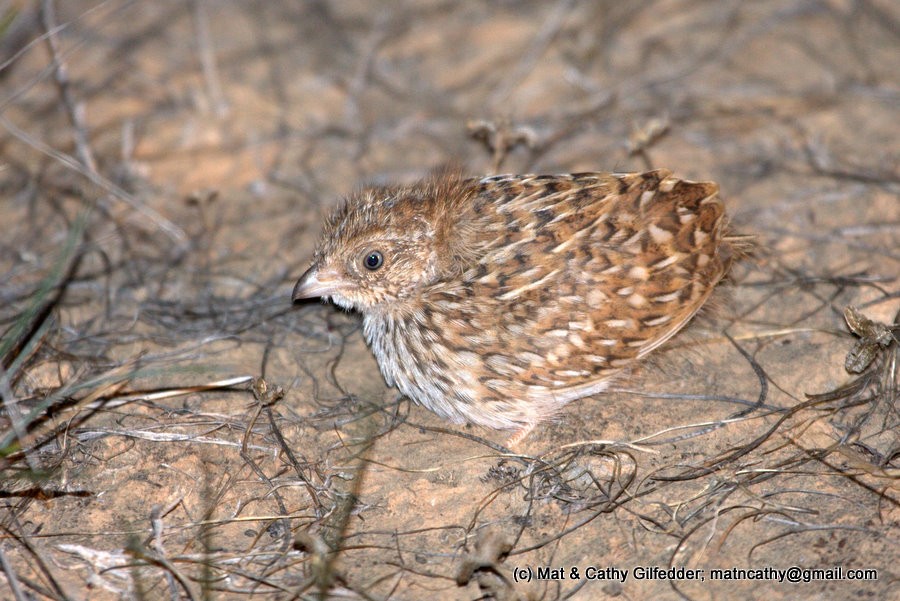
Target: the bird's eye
pixel 373 260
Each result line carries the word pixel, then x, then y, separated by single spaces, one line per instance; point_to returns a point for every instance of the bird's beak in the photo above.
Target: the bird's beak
pixel 314 284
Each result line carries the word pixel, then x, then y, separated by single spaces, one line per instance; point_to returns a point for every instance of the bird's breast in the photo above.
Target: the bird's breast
pixel 412 358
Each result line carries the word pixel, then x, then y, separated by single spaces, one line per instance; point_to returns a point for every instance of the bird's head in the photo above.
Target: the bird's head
pixel 383 245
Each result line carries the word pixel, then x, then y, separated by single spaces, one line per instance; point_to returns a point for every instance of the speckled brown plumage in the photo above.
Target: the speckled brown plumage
pixel 498 300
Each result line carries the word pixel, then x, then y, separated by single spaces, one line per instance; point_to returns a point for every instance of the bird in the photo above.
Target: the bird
pixel 497 300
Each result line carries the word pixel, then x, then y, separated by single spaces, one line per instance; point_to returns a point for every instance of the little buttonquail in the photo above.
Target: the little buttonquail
pixel 496 301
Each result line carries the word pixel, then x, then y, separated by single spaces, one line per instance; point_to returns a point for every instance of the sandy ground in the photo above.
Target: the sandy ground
pixel 165 168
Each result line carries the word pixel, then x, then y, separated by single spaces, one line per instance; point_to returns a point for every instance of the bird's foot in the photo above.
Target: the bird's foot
pixel 519 435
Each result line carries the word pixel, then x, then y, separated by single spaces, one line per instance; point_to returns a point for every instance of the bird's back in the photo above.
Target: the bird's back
pixel 579 275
